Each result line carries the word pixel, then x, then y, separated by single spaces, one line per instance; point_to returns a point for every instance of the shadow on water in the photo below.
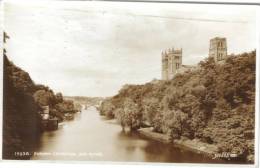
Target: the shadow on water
pixel 155 151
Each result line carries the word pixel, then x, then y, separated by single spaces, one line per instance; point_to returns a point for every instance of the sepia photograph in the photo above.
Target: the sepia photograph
pixel 130 82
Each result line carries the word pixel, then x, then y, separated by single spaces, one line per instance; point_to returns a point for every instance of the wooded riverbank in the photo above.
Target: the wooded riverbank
pixel 28 110
pixel 214 104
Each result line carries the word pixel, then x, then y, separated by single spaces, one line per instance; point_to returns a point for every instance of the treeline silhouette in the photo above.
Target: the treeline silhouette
pixel 215 104
pixel 23 100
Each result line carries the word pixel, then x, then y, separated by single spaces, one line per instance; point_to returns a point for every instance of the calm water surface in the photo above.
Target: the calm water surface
pixel 93 138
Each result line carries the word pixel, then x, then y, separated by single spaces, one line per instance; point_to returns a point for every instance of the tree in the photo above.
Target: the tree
pixel 129 115
pixel 107 109
pixel 44 98
pixel 59 97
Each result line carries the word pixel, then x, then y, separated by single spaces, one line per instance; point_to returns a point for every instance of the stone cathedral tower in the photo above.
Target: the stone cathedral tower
pixel 171 62
pixel 218 49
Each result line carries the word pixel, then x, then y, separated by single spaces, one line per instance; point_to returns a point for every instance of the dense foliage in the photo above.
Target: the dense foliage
pixel 23 101
pixel 21 120
pixel 214 103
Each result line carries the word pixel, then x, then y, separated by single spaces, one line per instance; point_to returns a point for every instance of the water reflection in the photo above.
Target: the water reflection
pixel 94 138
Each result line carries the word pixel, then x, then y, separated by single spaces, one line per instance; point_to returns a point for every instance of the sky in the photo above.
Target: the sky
pixel 92 48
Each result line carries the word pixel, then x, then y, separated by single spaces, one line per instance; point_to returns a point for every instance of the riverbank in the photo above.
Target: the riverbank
pixel 195 145
pixel 148 132
pixel 192 145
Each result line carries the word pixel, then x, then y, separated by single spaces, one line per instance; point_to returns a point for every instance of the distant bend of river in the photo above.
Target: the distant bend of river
pixel 91 137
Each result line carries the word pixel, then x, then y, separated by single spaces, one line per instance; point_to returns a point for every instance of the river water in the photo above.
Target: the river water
pixel 91 137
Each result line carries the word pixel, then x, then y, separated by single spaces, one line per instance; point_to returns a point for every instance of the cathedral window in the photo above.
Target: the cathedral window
pixel 177 65
pixel 220 44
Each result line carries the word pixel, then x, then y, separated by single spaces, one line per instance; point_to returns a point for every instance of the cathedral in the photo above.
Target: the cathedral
pixel 172 58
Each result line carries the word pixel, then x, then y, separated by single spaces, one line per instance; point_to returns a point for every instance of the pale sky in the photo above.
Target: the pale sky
pixel 93 48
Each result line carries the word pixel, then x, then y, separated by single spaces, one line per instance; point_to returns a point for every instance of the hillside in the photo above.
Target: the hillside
pixel 214 104
pixel 87 101
pixel 22 104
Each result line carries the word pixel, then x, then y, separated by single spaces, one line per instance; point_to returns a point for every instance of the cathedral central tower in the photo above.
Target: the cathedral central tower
pixel 218 49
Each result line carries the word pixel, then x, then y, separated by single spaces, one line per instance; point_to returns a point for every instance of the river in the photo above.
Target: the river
pixel 91 137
